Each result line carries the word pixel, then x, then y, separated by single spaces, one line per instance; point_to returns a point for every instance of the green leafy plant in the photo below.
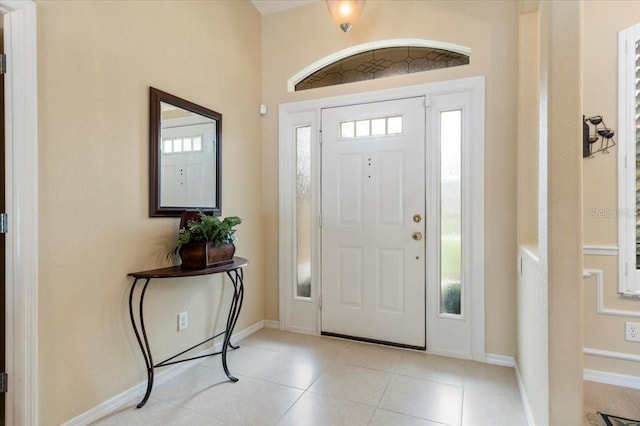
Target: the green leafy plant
pixel 207 229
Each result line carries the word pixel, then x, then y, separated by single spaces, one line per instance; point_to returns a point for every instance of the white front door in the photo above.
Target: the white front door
pixel 188 163
pixel 373 221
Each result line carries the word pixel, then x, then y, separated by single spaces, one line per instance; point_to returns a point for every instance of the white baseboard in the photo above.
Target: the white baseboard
pixel 247 331
pixel 523 395
pixel 632 382
pixel 303 330
pixel 505 361
pixel 271 324
pixel 136 392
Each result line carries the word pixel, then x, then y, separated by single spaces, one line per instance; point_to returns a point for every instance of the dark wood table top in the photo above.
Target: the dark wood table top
pixel 178 271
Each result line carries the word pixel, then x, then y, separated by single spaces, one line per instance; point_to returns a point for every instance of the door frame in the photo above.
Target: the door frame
pixel 292 115
pixel 21 168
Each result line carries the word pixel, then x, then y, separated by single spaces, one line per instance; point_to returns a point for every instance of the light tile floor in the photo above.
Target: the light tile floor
pixel 295 379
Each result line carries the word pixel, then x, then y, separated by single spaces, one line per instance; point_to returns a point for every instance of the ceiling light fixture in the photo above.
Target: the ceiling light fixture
pixel 345 12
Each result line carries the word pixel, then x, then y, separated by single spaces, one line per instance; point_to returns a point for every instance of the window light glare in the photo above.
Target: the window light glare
pixel 378 127
pixel 394 125
pixel 197 143
pixel 347 129
pixel 362 128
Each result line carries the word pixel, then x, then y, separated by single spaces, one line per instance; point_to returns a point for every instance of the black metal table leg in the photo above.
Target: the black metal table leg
pixel 235 274
pixel 146 350
pixel 239 275
pixel 234 312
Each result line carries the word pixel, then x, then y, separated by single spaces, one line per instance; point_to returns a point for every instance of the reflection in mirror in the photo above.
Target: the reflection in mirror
pixel 185 156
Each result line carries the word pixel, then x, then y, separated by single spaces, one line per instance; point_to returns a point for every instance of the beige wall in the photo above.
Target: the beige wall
pixel 602 22
pixel 528 132
pixel 550 322
pixel 294 39
pixel 533 324
pixel 564 223
pixel 96 61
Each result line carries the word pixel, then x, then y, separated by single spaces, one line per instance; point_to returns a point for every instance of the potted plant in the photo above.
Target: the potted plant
pixel 205 241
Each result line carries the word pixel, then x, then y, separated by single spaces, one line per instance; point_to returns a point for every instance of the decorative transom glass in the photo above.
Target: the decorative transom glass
pixel 380 63
pixel 371 127
pixel 178 145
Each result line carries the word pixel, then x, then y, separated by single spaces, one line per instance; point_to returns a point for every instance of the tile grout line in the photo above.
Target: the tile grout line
pixel 290 407
pixel 377 406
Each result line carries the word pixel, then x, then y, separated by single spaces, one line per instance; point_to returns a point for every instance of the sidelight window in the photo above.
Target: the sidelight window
pixel 451 212
pixel 303 211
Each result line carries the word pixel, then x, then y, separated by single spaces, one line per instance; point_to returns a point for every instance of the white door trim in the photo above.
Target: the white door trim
pixel 469 325
pixel 21 168
pixel 287 164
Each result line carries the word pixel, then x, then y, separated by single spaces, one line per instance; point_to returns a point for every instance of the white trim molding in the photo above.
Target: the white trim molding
pixel 272 324
pixel 600 250
pixel 381 44
pixel 502 360
pixel 599 275
pixel 528 412
pixel 308 113
pixel 21 196
pixel 297 314
pixel 632 382
pixel 612 355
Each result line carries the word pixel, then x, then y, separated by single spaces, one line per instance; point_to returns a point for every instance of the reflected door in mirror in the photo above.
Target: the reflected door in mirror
pixel 185 156
pixel 188 165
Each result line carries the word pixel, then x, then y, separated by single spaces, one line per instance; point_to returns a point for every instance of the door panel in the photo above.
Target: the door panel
pixel 373 271
pixel 390 188
pixel 350 277
pixel 390 280
pixel 350 189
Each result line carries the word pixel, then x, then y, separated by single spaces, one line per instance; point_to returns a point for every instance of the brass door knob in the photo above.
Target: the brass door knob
pixel 417 236
pixel 417 218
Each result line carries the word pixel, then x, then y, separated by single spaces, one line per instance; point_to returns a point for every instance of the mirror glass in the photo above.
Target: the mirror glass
pixel 185 156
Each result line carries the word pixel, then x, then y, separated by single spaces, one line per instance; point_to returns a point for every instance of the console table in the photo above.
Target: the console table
pixel 234 272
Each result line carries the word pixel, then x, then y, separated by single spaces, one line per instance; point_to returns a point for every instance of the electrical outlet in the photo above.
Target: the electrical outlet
pixel 183 320
pixel 632 332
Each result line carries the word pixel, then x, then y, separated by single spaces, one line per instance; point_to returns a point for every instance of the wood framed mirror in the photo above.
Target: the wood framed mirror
pixel 185 156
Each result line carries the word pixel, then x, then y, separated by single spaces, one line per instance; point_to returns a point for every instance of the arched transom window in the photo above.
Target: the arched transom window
pixel 378 60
